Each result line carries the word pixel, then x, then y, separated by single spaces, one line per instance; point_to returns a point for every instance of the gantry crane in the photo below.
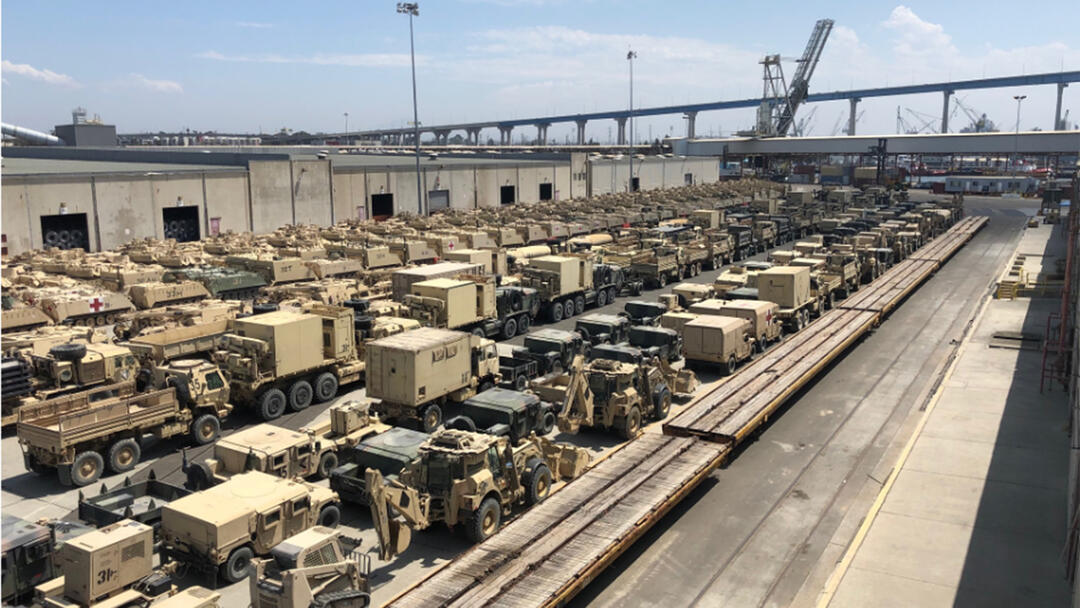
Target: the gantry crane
pixel 779 100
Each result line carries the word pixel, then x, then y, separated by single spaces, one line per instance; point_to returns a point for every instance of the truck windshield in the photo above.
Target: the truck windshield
pixel 438 474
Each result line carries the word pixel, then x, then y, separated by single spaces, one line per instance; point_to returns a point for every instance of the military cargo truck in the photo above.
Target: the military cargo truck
pixel 286 359
pixel 29 554
pixel 567 284
pixel 402 280
pixel 789 288
pixel 726 341
pixel 467 478
pixel 317 568
pixel 389 452
pixel 418 373
pixel 600 328
pixel 152 295
pixel 223 283
pixel 472 303
pixel 77 435
pixel 221 529
pixel 311 451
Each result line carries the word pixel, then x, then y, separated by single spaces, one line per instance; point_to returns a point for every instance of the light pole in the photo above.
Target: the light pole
pixel 630 56
pixel 346 129
pixel 1016 138
pixel 412 9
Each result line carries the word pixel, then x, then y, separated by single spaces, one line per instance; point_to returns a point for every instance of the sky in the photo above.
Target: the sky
pixel 241 66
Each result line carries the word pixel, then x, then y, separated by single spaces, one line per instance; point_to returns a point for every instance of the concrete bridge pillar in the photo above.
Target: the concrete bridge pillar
pixel 853 116
pixel 691 118
pixel 622 131
pixel 1057 109
pixel 473 136
pixel 581 132
pixel 946 94
pixel 442 137
pixel 541 132
pixel 506 135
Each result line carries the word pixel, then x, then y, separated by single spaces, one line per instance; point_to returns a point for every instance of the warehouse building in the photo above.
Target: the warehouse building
pixel 99 199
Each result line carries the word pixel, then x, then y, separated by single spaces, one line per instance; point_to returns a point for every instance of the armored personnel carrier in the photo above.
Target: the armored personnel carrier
pixel 223 283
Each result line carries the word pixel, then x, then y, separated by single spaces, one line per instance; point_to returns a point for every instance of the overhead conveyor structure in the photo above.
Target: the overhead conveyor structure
pixel 551 552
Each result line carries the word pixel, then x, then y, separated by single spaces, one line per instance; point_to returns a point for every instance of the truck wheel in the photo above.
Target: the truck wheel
pixel 199 477
pixel 831 302
pixel 124 455
pixel 327 462
pixel 521 383
pixel 235 569
pixel 631 423
pixel 601 298
pixel 547 422
pixel 697 268
pixel 760 345
pixel 205 429
pixel 486 385
pixel 729 366
pixel 300 395
pixel 68 352
pixel 461 423
pixel 329 516
pixel 509 329
pixel 326 387
pixel 478 332
pixel 431 418
pixel 579 305
pixel 272 404
pixel 661 403
pixel 662 280
pixel 484 521
pixel 523 323
pixel 87 468
pixel 556 312
pixel 611 294
pixel 537 482
pixel 798 321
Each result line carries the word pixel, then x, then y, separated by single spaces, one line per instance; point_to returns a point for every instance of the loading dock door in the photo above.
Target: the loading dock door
pixel 382 206
pixel 437 200
pixel 68 231
pixel 507 196
pixel 181 223
pixel 635 184
pixel 545 192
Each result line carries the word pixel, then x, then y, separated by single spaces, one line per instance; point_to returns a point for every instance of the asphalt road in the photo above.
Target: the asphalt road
pixel 748 533
pixel 752 534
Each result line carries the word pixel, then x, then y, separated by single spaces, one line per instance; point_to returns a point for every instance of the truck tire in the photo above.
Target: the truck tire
pixel 556 312
pixel 509 329
pixel 662 280
pixel 524 321
pixel 547 423
pixel 729 366
pixel 630 423
pixel 87 468
pixel 124 455
pixel 326 387
pixel 697 268
pixel 579 305
pixel 327 462
pixel 762 343
pixel 486 385
pixel 831 302
pixel 612 293
pixel 521 383
pixel 661 403
pixel 52 238
pixel 205 430
pixel 199 477
pixel 68 352
pixel 329 516
pixel 431 418
pixel 478 332
pixel 300 395
pixel 484 521
pixel 601 298
pixel 235 569
pixel 537 482
pixel 272 404
pixel 461 423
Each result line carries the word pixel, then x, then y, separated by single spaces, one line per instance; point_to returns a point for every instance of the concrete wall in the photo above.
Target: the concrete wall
pixel 613 175
pixel 311 192
pixel 25 201
pixel 271 194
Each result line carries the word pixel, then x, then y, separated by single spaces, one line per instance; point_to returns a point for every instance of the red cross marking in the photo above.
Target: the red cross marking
pixel 96 303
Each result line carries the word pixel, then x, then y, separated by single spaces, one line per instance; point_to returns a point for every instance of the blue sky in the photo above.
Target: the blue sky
pixel 243 66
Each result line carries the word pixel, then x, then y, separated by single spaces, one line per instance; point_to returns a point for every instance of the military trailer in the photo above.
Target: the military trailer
pixel 140 501
pixel 152 295
pixel 29 554
pixel 600 328
pixel 77 435
pixel 113 567
pixel 417 374
pixel 312 451
pixel 223 283
pixel 389 452
pixel 317 568
pixel 467 478
pixel 789 288
pixel 710 339
pixel 221 529
pixel 286 359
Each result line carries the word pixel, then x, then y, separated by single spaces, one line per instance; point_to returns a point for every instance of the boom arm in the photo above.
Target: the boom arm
pixel 577 404
pixel 386 495
pixel 800 83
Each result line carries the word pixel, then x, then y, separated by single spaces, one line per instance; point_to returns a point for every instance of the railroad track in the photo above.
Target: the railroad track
pixel 551 552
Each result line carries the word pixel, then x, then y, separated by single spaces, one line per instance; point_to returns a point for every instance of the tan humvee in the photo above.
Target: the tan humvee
pixel 222 528
pixel 317 566
pixel 716 339
pixel 765 324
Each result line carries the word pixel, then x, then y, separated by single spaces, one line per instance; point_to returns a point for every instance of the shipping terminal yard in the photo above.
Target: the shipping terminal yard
pixel 519 355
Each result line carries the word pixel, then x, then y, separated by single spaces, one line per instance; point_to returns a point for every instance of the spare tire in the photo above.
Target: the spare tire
pixel 68 352
pixel 52 239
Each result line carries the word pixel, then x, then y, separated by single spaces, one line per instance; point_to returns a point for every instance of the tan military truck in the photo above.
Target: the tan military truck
pixel 765 324
pixel 152 295
pixel 710 339
pixel 318 567
pixel 474 304
pixel 789 288
pixel 311 451
pixel 222 528
pixel 826 287
pixel 286 359
pixel 78 435
pixel 467 478
pixel 417 374
pixel 689 294
pixel 114 567
pixel 566 284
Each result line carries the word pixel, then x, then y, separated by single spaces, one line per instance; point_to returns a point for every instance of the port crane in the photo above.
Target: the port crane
pixel 776 114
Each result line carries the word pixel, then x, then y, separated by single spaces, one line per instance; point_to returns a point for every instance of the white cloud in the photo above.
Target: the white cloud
pixel 254 25
pixel 917 36
pixel 29 71
pixel 158 86
pixel 352 60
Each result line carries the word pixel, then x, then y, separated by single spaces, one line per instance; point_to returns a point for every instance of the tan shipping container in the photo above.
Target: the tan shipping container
pixel 295 339
pixel 401 281
pixel 418 366
pixel 788 286
pixel 574 273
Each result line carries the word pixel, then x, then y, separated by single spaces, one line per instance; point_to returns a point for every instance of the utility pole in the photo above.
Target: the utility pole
pixel 346 128
pixel 630 56
pixel 412 9
pixel 1016 138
